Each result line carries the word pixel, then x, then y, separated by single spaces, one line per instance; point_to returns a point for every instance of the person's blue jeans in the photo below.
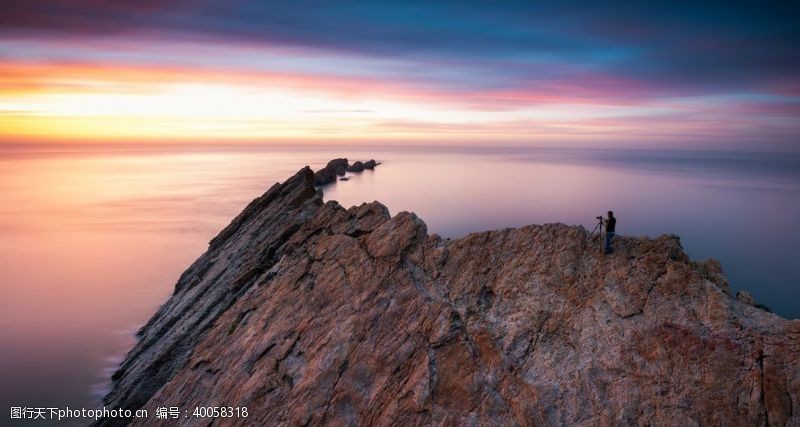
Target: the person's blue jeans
pixel 609 236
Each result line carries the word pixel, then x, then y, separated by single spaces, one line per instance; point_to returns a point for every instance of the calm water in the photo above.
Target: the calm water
pixel 92 240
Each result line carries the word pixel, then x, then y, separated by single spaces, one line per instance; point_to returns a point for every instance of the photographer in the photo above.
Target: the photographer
pixel 611 224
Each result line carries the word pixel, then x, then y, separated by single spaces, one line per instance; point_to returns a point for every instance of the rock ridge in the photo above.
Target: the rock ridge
pixel 308 313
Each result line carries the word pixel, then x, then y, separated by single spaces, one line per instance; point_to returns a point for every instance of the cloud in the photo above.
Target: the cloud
pixel 705 46
pixel 735 63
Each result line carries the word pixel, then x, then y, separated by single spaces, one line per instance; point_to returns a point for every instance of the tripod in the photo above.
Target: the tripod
pixel 598 228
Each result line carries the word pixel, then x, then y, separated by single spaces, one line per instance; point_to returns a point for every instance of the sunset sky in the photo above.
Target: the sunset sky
pixel 713 76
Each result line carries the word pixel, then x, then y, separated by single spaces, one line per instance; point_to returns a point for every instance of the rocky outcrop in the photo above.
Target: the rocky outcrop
pixel 330 171
pixel 309 313
pixel 338 167
pixel 357 166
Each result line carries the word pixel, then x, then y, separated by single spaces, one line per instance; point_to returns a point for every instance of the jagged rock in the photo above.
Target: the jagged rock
pixel 309 313
pixel 338 167
pixel 357 166
pixel 370 164
pixel 745 298
pixel 711 269
pixel 330 171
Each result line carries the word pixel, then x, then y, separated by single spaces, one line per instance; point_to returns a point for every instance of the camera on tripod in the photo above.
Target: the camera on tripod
pixel 600 224
pixel 597 228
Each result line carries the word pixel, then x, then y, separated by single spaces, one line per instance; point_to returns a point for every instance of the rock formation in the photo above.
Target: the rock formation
pixel 338 167
pixel 309 313
pixel 357 166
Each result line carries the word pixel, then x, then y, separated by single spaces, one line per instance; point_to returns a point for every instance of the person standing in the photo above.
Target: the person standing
pixel 611 226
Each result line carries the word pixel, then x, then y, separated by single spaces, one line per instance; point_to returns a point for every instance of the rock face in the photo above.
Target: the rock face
pixel 309 313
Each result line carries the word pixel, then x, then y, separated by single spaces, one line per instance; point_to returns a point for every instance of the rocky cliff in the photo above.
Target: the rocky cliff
pixel 309 313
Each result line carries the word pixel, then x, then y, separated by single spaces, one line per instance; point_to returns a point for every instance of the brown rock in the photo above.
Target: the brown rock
pixel 745 298
pixel 309 313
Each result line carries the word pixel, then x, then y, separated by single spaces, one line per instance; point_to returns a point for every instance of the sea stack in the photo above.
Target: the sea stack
pixel 338 167
pixel 309 313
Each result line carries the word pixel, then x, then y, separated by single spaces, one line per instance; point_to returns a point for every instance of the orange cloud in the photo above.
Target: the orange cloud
pixel 101 101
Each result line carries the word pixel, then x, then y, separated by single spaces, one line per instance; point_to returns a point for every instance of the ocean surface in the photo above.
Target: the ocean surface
pixel 93 238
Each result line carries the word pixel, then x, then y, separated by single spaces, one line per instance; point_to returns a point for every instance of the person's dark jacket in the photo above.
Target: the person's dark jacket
pixel 611 224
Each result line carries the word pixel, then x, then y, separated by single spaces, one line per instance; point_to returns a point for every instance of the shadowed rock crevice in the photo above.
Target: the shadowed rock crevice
pixel 308 313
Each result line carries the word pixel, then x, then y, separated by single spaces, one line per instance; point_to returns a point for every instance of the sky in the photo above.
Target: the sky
pixel 716 75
